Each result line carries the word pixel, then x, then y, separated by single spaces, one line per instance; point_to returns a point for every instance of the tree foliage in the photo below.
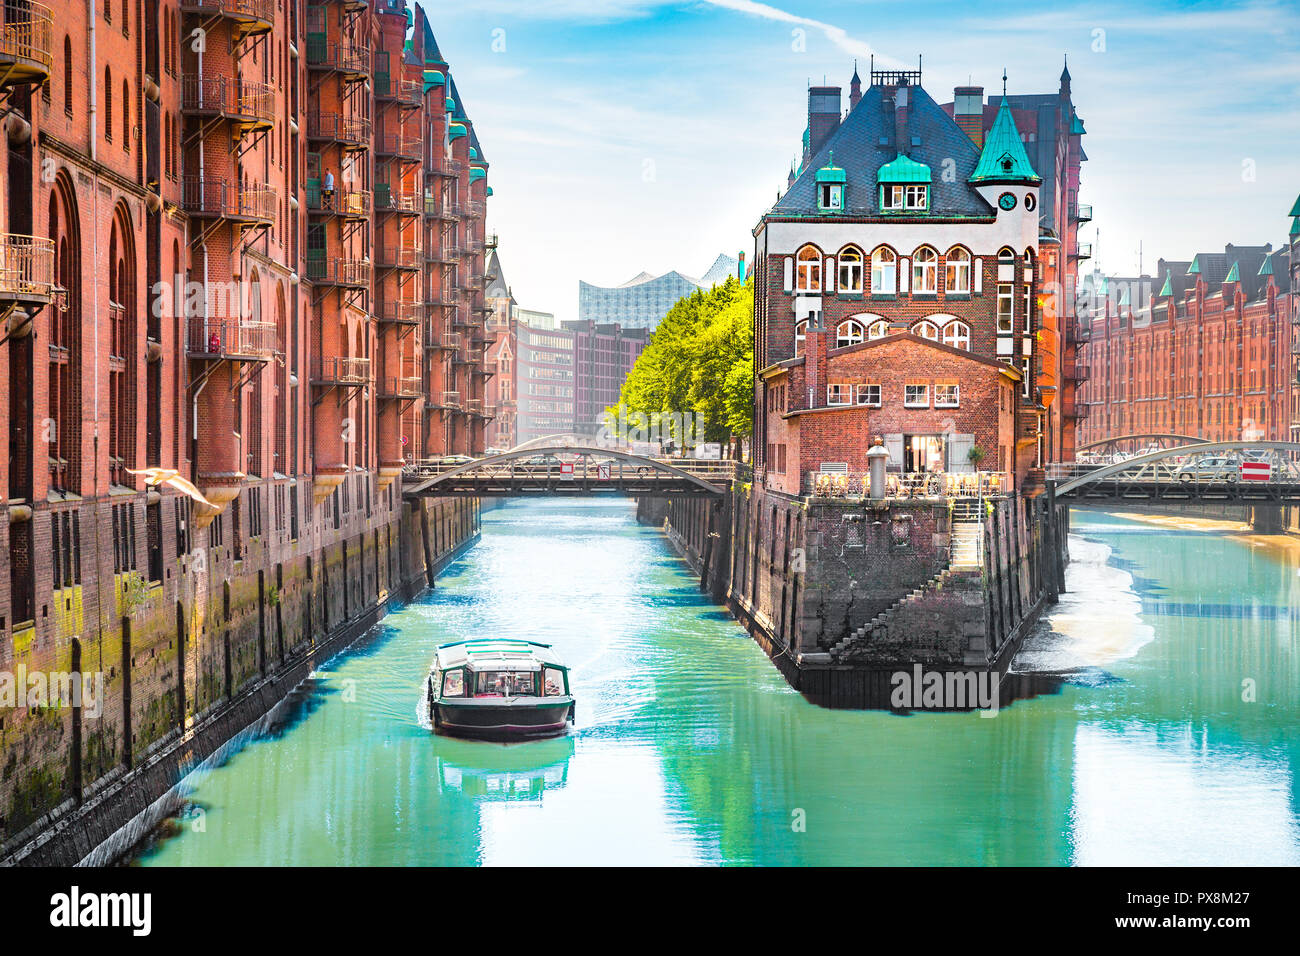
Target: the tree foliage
pixel 701 360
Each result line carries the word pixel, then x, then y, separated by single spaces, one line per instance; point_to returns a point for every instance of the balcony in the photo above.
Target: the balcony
pixel 473 209
pixel 442 256
pixel 442 300
pixel 219 199
pixel 352 132
pixel 406 93
pixel 474 406
pixel 1077 372
pixel 403 387
pixel 340 371
pixel 404 258
pixel 450 400
pixel 399 201
pixel 26 270
pixel 451 341
pixel 433 336
pixel 401 313
pixel 213 339
pixel 346 58
pixel 349 203
pixel 26 53
pixel 333 271
pixel 395 145
pixel 1081 212
pixel 474 246
pixel 251 17
pixel 1085 251
pixel 249 105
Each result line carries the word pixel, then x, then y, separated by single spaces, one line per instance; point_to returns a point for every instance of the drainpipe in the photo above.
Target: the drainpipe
pixel 94 232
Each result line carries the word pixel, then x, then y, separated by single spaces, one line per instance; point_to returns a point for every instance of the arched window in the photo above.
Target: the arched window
pixel 800 334
pixel 67 75
pixel 957 335
pixel 108 104
pixel 926 329
pixel 1006 256
pixel 925 270
pixel 122 371
pixel 850 269
pixel 808 266
pixel 957 270
pixel 884 271
pixel 848 333
pixel 126 117
pixel 878 330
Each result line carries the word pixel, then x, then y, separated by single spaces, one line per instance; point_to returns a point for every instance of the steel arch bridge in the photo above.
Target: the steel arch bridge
pixel 566 471
pixel 1162 441
pixel 1205 471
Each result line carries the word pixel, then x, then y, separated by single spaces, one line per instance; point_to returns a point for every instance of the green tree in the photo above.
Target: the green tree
pixel 700 360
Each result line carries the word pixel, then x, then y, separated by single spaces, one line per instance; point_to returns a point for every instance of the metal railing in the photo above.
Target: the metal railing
pixel 260 10
pixel 226 96
pixel 26 36
pixel 451 399
pixel 388 199
pixel 395 144
pixel 337 128
pixel 345 57
pixel 394 256
pixel 402 386
pixel 1085 251
pixel 979 484
pixel 337 370
pixel 336 271
pixel 355 203
pixel 228 200
pixel 26 267
pixel 401 313
pixel 209 337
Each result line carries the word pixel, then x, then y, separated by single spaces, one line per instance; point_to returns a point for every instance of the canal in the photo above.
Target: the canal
pixel 1172 737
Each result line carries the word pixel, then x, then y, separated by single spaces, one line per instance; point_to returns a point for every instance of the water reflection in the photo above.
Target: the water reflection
pixel 1137 741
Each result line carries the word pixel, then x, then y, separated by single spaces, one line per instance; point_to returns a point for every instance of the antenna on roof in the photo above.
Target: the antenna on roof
pixel 1004 82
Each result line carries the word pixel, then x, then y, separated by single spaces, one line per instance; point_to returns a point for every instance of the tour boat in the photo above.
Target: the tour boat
pixel 499 687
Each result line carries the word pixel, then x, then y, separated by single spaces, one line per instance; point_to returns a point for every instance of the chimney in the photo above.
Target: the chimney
pixel 815 345
pixel 823 116
pixel 968 112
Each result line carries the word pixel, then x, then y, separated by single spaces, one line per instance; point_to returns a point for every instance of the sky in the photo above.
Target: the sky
pixel 643 135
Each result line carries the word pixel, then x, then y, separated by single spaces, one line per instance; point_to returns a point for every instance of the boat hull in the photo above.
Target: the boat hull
pixel 514 719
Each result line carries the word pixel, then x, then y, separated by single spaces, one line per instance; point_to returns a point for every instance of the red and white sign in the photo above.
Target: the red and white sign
pixel 602 472
pixel 566 471
pixel 1256 471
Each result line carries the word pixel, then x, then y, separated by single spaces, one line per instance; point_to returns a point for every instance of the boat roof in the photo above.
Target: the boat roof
pixel 501 653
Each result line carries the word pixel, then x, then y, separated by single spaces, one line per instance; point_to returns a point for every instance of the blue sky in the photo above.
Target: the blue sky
pixel 630 135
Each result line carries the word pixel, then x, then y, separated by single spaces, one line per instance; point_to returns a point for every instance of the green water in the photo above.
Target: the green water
pixel 690 747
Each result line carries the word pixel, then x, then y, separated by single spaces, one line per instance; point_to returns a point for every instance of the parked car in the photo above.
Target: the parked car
pixel 1224 468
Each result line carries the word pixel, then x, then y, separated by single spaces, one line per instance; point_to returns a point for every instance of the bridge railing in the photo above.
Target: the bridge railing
pixel 586 464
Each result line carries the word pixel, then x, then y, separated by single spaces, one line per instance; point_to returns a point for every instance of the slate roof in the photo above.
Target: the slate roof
pixel 858 150
pixel 497 288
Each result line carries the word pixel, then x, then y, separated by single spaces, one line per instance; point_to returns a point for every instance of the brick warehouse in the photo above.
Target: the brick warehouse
pixel 1205 348
pixel 905 223
pixel 243 247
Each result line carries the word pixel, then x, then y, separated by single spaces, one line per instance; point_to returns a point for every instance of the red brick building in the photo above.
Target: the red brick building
pixel 1205 348
pixel 905 287
pixel 243 246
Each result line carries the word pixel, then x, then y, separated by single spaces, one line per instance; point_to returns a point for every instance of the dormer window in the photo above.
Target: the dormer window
pixel 913 198
pixel 831 181
pixel 904 186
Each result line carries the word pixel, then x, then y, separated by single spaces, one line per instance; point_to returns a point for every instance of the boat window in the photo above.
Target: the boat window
pixel 554 682
pixel 453 684
pixel 505 684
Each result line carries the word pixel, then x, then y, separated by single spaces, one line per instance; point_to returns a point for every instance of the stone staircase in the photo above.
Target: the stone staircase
pixel 879 625
pixel 966 547
pixel 966 554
